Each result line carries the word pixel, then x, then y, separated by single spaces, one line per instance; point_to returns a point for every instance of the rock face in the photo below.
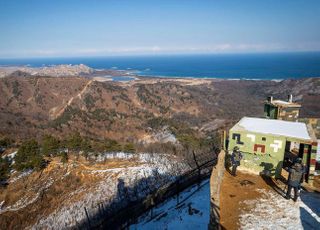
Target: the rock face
pixel 32 106
pixel 53 71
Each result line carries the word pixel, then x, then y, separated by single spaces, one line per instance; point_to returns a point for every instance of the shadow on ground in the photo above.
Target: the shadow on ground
pixel 310 213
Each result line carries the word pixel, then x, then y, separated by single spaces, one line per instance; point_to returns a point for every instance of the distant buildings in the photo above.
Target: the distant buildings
pixel 281 110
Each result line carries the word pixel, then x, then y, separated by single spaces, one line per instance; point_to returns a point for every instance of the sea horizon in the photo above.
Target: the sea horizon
pixel 248 66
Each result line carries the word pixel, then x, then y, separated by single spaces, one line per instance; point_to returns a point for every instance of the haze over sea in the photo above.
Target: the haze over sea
pixel 228 66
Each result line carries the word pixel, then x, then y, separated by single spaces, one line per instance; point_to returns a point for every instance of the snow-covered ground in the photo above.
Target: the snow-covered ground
pixel 154 171
pixel 192 212
pixel 272 211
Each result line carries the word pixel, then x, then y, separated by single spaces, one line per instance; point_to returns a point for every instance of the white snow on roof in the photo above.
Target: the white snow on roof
pixel 277 127
pixel 285 103
pixel 281 102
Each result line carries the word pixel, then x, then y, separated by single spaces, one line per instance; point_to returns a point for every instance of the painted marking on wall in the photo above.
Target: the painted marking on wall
pixel 252 137
pixel 237 137
pixel 318 152
pixel 277 144
pixel 261 147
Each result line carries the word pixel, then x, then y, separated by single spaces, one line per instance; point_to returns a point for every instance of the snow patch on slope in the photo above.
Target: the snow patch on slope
pixel 156 171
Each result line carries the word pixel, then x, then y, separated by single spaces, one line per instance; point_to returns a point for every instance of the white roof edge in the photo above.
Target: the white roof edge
pixel 291 129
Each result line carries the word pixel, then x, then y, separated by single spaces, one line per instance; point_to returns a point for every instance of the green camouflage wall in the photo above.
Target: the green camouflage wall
pixel 288 114
pixel 312 159
pixel 270 111
pixel 261 152
pixel 281 113
pixel 265 153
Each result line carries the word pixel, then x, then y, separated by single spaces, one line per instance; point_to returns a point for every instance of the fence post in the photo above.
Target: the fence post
pixel 178 191
pixel 85 209
pixel 198 167
pixel 100 209
pixel 103 208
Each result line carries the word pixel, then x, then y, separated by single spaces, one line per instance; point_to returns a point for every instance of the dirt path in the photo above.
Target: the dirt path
pixel 79 95
pixel 233 191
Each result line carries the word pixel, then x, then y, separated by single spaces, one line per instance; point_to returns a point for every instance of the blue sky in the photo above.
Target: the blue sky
pixel 43 28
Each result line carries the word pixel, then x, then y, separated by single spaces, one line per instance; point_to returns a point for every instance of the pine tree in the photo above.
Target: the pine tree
pixel 112 146
pixel 50 145
pixel 64 157
pixel 86 147
pixel 129 148
pixel 29 156
pixel 74 142
pixel 4 168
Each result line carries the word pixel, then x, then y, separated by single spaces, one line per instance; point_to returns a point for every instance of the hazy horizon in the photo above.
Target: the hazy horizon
pixel 163 55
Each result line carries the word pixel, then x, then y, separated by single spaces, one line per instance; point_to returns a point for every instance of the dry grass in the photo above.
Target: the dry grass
pixel 67 179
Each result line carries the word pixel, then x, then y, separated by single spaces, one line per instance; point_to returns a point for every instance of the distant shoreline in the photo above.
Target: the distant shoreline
pixel 212 78
pixel 277 66
pixel 87 71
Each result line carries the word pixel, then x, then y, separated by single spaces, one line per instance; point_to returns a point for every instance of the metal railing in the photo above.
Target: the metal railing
pixel 116 217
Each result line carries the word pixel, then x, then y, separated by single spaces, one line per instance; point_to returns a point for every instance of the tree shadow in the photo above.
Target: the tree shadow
pixel 307 220
pixel 126 205
pixel 131 202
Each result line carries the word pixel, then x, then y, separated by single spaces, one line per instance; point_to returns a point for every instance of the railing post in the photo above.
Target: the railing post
pixel 198 168
pixel 100 210
pixel 177 191
pixel 85 209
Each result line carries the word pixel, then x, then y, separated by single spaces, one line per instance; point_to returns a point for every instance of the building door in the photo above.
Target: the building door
pixel 308 148
pixel 301 149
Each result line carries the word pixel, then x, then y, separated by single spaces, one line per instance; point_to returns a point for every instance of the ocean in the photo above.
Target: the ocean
pixel 231 66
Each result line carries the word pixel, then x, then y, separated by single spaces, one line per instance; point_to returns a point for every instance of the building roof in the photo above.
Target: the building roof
pixel 276 127
pixel 283 103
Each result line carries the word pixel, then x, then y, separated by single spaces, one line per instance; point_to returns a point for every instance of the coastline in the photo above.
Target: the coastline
pixel 262 66
pixel 107 74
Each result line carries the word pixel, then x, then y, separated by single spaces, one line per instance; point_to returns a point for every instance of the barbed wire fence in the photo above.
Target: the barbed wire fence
pixel 130 203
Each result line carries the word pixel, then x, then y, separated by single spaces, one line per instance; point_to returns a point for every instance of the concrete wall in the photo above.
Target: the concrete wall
pixel 215 187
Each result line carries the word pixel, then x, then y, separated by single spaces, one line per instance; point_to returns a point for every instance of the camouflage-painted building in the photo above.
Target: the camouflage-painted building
pixel 315 124
pixel 281 110
pixel 265 142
